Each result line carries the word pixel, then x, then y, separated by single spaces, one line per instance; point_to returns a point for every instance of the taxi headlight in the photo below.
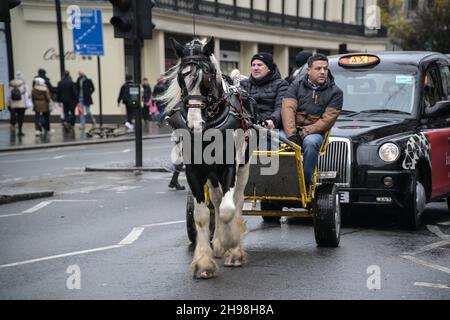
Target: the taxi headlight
pixel 389 152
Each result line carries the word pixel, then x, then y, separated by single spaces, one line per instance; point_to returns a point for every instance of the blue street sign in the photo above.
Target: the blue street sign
pixel 88 34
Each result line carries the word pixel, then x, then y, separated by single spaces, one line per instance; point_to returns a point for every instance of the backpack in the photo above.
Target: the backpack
pixel 16 95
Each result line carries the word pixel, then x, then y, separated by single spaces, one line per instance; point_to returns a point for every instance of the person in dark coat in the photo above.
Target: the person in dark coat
pixel 124 97
pixel 67 95
pixel 43 75
pixel 146 96
pixel 267 87
pixel 85 88
pixel 300 61
pixel 158 90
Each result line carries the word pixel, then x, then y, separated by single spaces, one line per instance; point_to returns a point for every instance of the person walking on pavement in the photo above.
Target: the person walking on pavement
pixel 43 75
pixel 40 96
pixel 17 102
pixel 124 97
pixel 147 95
pixel 67 95
pixel 158 90
pixel 310 108
pixel 85 88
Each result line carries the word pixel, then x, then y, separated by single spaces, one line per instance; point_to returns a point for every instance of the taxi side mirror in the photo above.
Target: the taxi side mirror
pixel 439 109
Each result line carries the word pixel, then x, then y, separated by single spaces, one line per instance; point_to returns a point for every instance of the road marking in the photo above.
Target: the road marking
pixel 129 239
pixel 428 247
pixel 446 223
pixel 432 285
pixel 163 223
pixel 126 150
pixel 438 232
pixel 59 256
pixel 426 264
pixel 37 207
pixel 58 157
pixel 132 236
pixel 41 205
pixel 124 188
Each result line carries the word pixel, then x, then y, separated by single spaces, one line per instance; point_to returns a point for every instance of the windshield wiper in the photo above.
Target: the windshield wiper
pixel 384 111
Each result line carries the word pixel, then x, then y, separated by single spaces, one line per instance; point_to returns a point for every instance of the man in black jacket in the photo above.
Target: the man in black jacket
pixel 85 89
pixel 66 94
pixel 124 97
pixel 266 86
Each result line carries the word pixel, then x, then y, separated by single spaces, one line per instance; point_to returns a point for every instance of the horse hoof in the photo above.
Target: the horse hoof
pixel 231 262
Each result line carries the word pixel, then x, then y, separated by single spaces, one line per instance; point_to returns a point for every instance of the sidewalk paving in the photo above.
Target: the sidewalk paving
pixel 10 141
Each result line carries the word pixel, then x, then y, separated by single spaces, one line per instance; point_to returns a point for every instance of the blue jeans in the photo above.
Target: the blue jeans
pixel 310 150
pixel 86 111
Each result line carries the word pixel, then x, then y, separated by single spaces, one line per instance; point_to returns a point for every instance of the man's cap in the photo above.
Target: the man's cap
pixel 265 57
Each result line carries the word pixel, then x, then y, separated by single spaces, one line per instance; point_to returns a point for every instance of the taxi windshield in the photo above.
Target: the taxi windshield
pixel 383 91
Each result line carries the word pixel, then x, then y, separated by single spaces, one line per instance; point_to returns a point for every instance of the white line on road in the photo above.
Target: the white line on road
pixel 429 247
pixel 129 239
pixel 132 236
pixel 41 205
pixel 426 264
pixel 432 285
pixel 126 150
pixel 438 232
pixel 59 256
pixel 446 223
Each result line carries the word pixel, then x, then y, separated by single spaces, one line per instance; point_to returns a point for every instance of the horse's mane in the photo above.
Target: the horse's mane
pixel 172 96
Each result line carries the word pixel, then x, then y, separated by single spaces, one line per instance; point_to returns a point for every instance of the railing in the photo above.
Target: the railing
pixel 251 16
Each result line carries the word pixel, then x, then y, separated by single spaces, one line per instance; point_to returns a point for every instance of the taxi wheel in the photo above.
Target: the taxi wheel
pixel 267 205
pixel 327 216
pixel 410 216
pixel 190 221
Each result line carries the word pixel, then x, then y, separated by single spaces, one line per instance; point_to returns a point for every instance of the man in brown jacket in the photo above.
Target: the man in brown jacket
pixel 310 108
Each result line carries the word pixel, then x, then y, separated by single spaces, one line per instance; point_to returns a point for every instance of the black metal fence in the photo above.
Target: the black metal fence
pixel 251 16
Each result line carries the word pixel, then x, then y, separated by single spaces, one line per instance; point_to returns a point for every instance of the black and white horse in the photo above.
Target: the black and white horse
pixel 198 101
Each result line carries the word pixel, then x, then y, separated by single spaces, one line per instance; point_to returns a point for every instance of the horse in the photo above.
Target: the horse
pixel 199 100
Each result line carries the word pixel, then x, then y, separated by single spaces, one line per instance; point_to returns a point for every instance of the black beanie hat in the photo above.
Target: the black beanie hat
pixel 301 58
pixel 266 58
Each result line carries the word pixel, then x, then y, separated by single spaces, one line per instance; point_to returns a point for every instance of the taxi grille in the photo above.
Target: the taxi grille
pixel 337 158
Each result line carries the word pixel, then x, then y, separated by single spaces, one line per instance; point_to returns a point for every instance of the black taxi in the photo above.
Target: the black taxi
pixel 390 147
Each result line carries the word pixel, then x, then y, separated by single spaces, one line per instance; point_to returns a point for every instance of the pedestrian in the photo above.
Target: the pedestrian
pixel 125 98
pixel 41 98
pixel 300 61
pixel 67 95
pixel 17 102
pixel 85 88
pixel 310 108
pixel 147 99
pixel 237 77
pixel 43 75
pixel 158 90
pixel 267 88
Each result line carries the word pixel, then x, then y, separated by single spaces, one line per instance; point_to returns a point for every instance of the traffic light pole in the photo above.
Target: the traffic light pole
pixel 137 80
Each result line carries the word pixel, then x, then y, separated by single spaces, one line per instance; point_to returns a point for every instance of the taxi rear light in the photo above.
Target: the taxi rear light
pixel 357 61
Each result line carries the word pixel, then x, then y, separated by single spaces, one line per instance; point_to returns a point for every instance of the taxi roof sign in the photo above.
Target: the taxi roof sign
pixel 358 60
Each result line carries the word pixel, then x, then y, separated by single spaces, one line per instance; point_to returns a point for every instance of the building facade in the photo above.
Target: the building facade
pixel 240 27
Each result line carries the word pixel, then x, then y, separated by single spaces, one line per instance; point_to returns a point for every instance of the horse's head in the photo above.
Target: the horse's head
pixel 199 78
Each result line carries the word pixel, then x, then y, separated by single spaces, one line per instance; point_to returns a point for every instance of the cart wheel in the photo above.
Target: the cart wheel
pixel 327 216
pixel 266 205
pixel 190 221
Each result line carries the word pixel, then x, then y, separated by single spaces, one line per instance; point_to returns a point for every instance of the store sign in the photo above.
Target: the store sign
pixel 52 54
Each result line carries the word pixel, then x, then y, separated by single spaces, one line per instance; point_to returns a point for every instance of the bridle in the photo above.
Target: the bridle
pixel 201 62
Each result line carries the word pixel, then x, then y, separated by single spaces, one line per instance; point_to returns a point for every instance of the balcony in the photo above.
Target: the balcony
pixel 251 16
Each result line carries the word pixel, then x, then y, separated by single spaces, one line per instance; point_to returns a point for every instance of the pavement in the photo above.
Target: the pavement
pixel 58 137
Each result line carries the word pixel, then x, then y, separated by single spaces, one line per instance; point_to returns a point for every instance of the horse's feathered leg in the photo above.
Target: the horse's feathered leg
pixel 203 265
pixel 215 194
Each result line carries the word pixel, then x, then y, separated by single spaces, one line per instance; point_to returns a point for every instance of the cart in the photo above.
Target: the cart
pixel 285 194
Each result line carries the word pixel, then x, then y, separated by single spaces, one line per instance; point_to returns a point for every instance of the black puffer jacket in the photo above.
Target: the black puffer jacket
pixel 268 93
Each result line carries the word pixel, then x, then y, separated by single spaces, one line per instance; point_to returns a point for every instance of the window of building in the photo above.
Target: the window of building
pixel 360 12
pixel 263 47
pixel 229 55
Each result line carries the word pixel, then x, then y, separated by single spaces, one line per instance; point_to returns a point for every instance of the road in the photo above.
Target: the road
pixel 117 235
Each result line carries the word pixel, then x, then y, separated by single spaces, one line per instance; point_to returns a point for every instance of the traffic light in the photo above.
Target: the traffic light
pixel 123 18
pixel 343 48
pixel 146 25
pixel 5 6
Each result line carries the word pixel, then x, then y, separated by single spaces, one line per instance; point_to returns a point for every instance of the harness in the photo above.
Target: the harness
pixel 226 112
